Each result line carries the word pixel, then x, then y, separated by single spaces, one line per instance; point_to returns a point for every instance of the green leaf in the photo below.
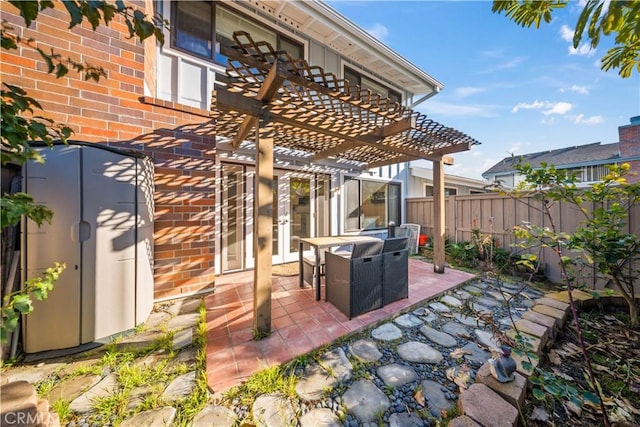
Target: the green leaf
pixel 538 394
pixel 22 303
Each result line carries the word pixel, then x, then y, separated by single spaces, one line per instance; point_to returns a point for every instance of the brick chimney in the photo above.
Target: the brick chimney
pixel 630 146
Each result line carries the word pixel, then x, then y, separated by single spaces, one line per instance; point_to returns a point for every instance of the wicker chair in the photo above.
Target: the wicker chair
pixel 395 269
pixel 354 285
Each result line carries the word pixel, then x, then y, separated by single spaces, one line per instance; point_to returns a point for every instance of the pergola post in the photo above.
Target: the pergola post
pixel 263 232
pixel 438 216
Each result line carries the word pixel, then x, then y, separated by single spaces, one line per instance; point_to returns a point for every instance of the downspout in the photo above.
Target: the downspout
pixel 436 90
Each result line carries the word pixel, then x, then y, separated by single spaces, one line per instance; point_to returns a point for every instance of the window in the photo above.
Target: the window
pixel 201 27
pixel 364 82
pixel 370 204
pixel 428 191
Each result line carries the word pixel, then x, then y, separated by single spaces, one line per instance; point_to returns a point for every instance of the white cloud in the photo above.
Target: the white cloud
pixel 576 89
pixel 558 108
pixel 566 33
pixel 378 31
pixel 509 64
pixel 583 50
pixel 463 92
pixel 593 120
pixel 535 105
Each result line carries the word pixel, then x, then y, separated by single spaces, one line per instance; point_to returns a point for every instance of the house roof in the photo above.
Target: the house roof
pixel 561 158
pixel 312 111
pixel 323 23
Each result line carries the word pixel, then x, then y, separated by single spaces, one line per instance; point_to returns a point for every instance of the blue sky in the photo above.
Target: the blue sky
pixel 516 90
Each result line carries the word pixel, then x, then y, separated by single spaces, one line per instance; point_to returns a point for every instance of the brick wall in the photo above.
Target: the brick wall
pixel 630 145
pixel 114 111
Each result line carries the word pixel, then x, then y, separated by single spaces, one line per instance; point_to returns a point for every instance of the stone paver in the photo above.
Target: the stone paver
pixel 441 338
pixel 397 375
pixel 156 417
pixel 405 419
pixel 477 355
pixel 365 351
pixel 317 417
pixel 414 351
pixel 455 329
pixel 486 407
pixel 486 339
pixel 408 321
pixel 468 320
pixel 30 374
pixel 272 410
pixel 473 290
pixel 451 301
pixel 183 321
pixel 560 315
pixel 436 398
pixel 463 421
pixel 539 331
pixel 314 382
pixel 365 401
pixel 156 320
pixel 72 388
pixel 489 302
pixel 463 295
pixel 387 332
pixel 180 388
pixel 439 307
pixel 182 339
pixel 337 363
pixel 425 314
pixel 213 415
pixel 512 391
pixel 551 302
pixel 19 401
pixel 84 402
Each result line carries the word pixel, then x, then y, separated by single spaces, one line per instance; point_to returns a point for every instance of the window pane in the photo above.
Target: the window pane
pixel 352 204
pixel 374 204
pixel 193 27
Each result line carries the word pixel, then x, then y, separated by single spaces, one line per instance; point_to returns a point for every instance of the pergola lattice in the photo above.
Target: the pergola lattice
pixel 291 104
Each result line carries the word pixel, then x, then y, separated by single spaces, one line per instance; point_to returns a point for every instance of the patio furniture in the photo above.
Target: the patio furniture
pixel 318 244
pixel 412 231
pixel 395 269
pixel 309 268
pixel 354 285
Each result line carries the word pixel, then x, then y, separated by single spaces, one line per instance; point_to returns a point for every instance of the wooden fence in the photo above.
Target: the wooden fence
pixel 496 214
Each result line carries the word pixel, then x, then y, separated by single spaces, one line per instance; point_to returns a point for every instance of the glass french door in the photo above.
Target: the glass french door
pixel 300 209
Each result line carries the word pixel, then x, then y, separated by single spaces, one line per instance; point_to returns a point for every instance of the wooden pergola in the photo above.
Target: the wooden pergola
pixel 272 99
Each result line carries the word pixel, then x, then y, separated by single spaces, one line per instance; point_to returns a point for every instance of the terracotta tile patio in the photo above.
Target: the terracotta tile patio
pixel 299 323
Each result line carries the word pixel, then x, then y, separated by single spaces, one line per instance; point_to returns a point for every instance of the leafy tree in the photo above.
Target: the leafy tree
pixel 22 125
pixel 598 18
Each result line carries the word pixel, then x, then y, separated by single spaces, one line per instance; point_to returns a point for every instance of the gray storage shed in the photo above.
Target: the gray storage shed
pixel 102 228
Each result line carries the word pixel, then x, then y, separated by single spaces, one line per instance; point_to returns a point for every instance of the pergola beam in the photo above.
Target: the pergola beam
pixel 269 89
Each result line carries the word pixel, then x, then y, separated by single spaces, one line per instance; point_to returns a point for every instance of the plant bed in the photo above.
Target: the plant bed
pixel 614 350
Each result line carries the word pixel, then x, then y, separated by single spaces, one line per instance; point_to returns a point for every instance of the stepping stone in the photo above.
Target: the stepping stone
pixel 418 352
pixel 439 307
pixel 468 320
pixel 408 321
pixel 19 404
pixel 154 417
pixel 507 322
pixel 151 359
pixel 405 419
pixel 436 398
pixel 477 357
pixel 463 421
pixel 272 410
pixel 156 320
pixel 463 295
pixel 337 363
pixel 71 388
pixel 136 397
pixel 425 314
pixel 498 296
pixel 487 339
pixel 551 302
pixel 473 290
pixel 30 374
pixel 75 366
pixel 513 287
pixel 396 375
pixel 316 417
pixel 486 407
pixel 449 300
pixel 84 403
pixel 479 307
pixel 539 331
pixel 438 337
pixel 172 307
pixel 560 315
pixel 314 383
pixel 365 401
pixel 182 339
pixel 489 302
pixel 191 305
pixel 180 387
pixel 138 342
pixel 541 319
pixel 213 415
pixel 183 321
pixel 455 329
pixel 365 351
pixel 387 332
pixel 533 293
pixel 187 356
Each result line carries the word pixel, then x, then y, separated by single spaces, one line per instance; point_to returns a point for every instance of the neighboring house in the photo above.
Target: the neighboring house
pixel 420 183
pixel 589 162
pixel 160 100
